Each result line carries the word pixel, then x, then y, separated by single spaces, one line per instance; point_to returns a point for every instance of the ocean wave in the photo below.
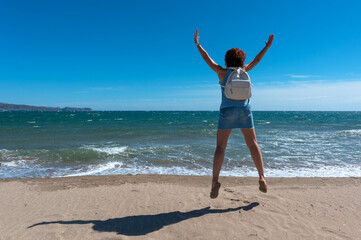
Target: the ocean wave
pixel 352 131
pixel 108 149
pixel 53 156
pixel 262 122
pixel 7 156
pixel 14 163
pixel 245 171
pixel 96 169
pixel 26 169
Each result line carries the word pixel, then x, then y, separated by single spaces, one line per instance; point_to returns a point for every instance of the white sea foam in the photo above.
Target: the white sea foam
pixel 262 122
pixel 14 163
pixel 97 169
pixel 245 171
pixel 22 168
pixel 9 164
pixel 353 131
pixel 109 150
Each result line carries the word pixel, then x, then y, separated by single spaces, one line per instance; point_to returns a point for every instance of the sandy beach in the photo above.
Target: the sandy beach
pixel 179 207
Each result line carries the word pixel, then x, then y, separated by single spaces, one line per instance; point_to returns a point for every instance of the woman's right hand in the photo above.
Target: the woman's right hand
pixel 196 37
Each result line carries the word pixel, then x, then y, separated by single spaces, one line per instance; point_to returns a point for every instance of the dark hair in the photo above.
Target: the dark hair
pixel 235 57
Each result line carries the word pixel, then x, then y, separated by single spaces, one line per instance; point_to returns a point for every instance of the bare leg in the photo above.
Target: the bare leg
pixel 251 141
pixel 222 139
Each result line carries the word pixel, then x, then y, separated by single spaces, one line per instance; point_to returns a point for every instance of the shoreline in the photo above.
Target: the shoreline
pixel 165 176
pixel 179 207
pixel 162 176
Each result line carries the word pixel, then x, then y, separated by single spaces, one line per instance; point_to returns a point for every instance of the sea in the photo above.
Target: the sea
pixel 62 144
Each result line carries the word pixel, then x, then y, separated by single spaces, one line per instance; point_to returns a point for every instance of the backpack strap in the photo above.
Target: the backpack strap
pixel 238 69
pixel 220 83
pixel 235 68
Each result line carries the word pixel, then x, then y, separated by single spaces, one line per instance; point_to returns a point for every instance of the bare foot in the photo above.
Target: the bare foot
pixel 215 190
pixel 262 185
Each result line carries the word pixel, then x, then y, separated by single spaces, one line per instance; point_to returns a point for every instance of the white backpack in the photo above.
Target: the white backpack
pixel 238 85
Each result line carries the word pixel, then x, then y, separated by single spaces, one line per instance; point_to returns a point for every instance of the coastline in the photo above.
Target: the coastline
pixel 179 207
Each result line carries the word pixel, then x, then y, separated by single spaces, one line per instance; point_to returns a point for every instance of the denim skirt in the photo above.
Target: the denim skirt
pixel 235 117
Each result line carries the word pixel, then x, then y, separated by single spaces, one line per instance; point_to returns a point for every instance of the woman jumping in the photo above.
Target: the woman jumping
pixel 234 113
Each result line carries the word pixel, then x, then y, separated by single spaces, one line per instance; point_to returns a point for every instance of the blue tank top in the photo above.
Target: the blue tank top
pixel 228 102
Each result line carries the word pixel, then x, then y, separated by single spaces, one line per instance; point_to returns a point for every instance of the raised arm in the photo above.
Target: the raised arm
pixel 248 67
pixel 215 67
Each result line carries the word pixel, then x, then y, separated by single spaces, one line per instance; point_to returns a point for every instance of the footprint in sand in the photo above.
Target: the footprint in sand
pixel 228 190
pixel 235 200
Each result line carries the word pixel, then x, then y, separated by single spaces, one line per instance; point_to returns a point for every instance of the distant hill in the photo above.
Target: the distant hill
pixel 15 107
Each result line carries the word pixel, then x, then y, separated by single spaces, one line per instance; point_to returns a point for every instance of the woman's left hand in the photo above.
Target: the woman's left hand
pixel 270 40
pixel 196 37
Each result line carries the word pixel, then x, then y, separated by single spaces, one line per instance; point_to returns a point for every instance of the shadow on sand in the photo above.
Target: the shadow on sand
pixel 144 224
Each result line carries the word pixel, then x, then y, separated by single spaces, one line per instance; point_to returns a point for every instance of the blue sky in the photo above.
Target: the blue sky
pixel 140 55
